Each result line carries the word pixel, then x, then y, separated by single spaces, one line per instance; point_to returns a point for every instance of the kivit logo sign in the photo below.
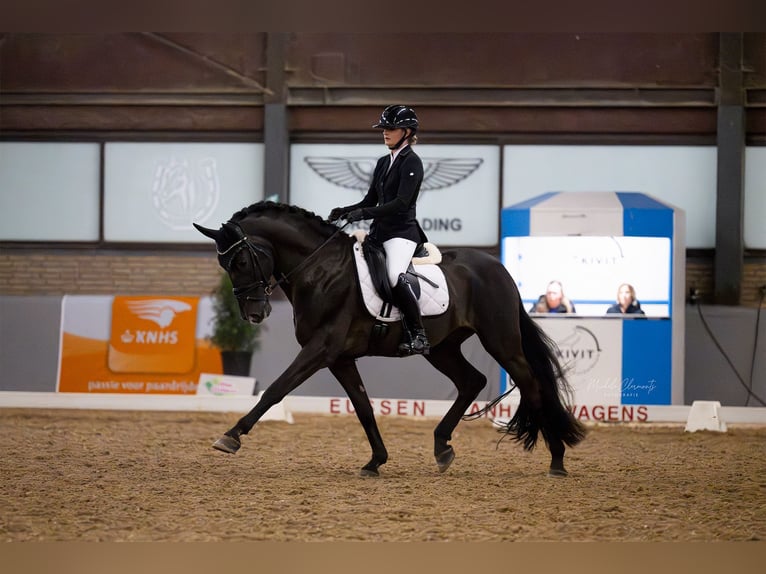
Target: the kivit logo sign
pixel 153 335
pixel 579 351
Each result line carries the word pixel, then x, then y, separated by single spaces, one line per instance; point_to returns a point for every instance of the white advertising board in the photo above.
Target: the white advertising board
pixel 458 200
pixel 153 192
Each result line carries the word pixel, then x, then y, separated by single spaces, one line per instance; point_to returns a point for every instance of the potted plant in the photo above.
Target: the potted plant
pixel 234 337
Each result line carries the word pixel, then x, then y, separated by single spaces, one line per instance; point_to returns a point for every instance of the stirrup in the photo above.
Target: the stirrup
pixel 417 345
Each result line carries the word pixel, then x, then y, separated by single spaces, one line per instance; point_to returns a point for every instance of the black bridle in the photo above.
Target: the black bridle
pixel 247 292
pixel 225 259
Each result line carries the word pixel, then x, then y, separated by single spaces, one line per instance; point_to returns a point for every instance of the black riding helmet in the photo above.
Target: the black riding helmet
pixel 396 117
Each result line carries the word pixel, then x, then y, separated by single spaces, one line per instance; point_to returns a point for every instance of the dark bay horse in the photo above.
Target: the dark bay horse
pixel 314 266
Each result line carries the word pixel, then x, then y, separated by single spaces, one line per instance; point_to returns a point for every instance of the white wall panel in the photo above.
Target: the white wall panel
pixel 684 176
pixel 49 191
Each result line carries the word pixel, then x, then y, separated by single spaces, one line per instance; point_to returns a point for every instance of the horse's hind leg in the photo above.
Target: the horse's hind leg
pixel 530 418
pixel 449 360
pixel 348 376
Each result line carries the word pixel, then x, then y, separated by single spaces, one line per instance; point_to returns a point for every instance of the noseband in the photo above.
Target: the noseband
pixel 246 293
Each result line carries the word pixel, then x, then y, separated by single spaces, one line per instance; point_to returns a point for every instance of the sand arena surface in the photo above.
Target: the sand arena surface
pixel 71 475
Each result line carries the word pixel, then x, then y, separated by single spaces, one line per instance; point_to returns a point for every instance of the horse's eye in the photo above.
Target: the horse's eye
pixel 239 263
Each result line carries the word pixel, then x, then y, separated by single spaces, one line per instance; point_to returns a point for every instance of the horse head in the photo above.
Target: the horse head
pixel 249 261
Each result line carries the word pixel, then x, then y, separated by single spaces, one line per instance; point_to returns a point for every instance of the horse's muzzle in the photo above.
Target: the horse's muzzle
pixel 255 317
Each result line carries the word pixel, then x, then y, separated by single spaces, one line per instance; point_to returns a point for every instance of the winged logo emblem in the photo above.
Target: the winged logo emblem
pixel 160 311
pixel 356 172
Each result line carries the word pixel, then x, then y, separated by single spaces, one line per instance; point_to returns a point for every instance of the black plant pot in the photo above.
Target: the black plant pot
pixel 236 363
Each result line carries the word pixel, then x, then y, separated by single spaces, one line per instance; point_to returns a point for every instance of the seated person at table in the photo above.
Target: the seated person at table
pixel 553 301
pixel 627 304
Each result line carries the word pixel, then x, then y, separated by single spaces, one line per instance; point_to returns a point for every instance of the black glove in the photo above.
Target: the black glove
pixel 336 214
pixel 356 215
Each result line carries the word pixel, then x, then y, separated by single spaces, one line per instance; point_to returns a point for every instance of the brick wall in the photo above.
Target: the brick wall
pixel 753 277
pixel 33 272
pixel 699 274
pixel 27 272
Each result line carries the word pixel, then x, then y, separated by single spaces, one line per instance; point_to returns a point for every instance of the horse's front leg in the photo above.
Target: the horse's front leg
pixel 448 359
pixel 308 361
pixel 348 376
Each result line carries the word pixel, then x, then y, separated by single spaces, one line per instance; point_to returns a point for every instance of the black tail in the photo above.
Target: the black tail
pixel 555 421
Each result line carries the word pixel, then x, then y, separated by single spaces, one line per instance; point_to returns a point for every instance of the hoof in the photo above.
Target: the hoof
pixel 227 444
pixel 370 469
pixel 557 473
pixel 444 459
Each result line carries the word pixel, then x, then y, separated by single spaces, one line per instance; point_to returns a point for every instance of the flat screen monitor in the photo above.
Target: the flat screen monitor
pixel 591 270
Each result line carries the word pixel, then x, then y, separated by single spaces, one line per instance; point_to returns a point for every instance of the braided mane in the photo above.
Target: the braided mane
pixel 323 227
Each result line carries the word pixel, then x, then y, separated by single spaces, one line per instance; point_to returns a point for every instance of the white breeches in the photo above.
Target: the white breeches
pixel 399 253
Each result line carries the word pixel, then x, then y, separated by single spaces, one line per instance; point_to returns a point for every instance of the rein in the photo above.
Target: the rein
pixel 245 242
pixel 310 255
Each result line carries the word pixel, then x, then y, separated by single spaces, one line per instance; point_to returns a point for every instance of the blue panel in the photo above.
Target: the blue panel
pixel 643 216
pixel 514 220
pixel 634 200
pixel 514 223
pixel 646 362
pixel 533 201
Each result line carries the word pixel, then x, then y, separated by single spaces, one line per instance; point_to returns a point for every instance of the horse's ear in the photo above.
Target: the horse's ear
pixel 211 233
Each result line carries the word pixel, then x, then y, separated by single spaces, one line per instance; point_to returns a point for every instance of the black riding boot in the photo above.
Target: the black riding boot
pixel 415 340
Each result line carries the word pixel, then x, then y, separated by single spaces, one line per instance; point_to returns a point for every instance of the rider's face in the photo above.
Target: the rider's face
pixel 392 137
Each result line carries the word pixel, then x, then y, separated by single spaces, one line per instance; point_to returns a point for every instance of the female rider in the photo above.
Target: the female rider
pixel 390 203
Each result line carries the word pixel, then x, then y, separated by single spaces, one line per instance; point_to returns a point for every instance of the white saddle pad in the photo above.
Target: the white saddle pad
pixel 433 301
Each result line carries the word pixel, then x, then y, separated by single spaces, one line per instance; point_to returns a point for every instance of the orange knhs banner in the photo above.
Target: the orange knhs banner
pixel 134 345
pixel 152 335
